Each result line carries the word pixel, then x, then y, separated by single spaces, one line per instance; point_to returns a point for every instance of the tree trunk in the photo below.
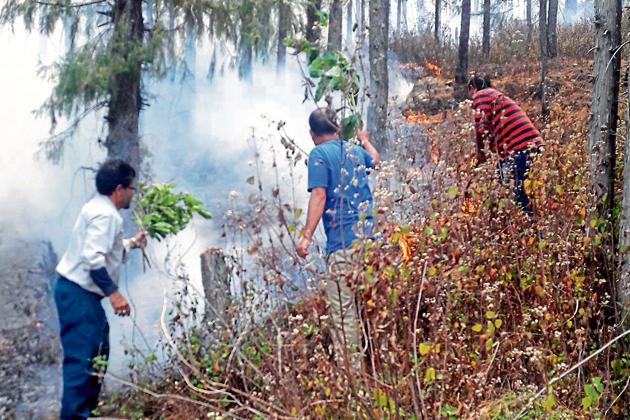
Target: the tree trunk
pixel 623 281
pixel 604 104
pixel 283 30
pixel 486 29
pixel 552 29
pixel 378 43
pixel 404 27
pixel 246 42
pixel 349 25
pixel 438 21
pixel 420 15
pixel 215 278
pixel 530 24
pixel 544 54
pixel 335 25
pixel 461 73
pixel 398 16
pixel 313 31
pixel 123 141
pixel 361 16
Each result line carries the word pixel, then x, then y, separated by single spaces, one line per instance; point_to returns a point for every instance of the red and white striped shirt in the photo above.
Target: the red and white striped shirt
pixel 501 121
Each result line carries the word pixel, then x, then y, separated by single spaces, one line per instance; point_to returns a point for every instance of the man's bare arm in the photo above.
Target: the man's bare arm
pixel 316 205
pixel 364 137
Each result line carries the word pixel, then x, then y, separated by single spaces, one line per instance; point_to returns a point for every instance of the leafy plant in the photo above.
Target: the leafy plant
pixel 161 212
pixel 336 74
pixel 593 392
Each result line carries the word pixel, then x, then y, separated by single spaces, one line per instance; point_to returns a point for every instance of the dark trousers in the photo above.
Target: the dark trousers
pixel 84 335
pixel 515 168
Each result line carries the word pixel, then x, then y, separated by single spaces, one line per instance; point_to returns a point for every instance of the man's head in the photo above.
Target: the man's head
pixel 114 179
pixel 478 83
pixel 323 124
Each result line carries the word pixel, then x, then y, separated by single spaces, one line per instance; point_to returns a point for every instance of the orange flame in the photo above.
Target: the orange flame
pixel 433 68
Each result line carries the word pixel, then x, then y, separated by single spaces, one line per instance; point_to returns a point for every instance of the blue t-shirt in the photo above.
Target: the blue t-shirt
pixel 341 168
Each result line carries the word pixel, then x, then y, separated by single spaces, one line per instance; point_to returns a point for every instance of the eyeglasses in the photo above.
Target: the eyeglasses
pixel 130 187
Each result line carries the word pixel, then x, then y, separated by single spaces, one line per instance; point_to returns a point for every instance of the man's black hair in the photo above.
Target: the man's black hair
pixel 323 121
pixel 480 83
pixel 113 173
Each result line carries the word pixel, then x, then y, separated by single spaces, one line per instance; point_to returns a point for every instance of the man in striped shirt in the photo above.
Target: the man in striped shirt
pixel 504 128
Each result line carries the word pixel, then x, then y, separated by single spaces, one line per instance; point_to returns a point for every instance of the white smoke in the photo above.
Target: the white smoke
pixel 197 133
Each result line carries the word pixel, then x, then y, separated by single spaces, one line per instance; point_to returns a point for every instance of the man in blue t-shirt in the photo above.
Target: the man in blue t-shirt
pixel 340 194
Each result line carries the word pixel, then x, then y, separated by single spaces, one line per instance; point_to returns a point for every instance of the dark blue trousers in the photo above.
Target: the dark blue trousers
pixel 84 335
pixel 515 168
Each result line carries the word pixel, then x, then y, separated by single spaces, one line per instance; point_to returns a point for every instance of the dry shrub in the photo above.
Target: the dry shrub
pixel 468 306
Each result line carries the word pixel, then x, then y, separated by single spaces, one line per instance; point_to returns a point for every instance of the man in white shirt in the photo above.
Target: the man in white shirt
pixel 89 271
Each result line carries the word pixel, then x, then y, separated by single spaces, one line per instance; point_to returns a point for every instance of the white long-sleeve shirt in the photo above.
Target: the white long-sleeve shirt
pixel 96 242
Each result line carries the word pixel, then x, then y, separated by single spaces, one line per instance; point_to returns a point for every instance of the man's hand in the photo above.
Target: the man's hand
pixel 302 247
pixel 139 240
pixel 120 304
pixel 363 136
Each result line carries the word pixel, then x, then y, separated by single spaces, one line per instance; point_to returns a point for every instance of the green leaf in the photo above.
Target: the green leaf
pixel 477 328
pixel 349 126
pixel 448 410
pixel 590 392
pixel 319 92
pixel 549 402
pixel 490 314
pixel 429 375
pixel 424 348
pixel 452 192
pixel 490 328
pixel 489 343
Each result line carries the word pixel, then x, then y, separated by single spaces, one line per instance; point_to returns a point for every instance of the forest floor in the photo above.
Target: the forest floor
pixel 499 311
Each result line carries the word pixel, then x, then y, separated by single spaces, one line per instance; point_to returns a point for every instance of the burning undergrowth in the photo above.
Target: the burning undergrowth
pixel 468 307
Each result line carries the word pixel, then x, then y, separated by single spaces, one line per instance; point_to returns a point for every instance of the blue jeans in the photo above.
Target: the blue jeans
pixel 515 168
pixel 84 335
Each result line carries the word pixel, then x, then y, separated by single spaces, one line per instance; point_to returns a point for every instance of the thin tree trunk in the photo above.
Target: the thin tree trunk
pixel 438 21
pixel 349 24
pixel 361 15
pixel 403 26
pixel 530 24
pixel 283 30
pixel 623 281
pixel 604 104
pixel 420 15
pixel 552 29
pixel 461 73
pixel 544 54
pixel 398 16
pixel 335 25
pixel 486 29
pixel 313 31
pixel 378 43
pixel 123 141
pixel 246 41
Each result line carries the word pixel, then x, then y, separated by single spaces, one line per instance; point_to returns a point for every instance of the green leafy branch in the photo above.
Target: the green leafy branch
pixel 335 73
pixel 161 212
